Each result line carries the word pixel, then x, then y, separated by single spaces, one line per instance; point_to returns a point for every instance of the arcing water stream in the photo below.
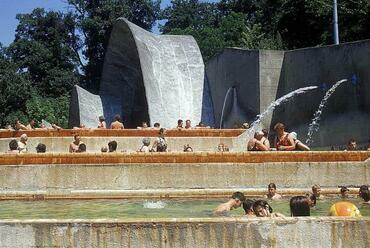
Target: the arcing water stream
pixel 243 138
pixel 315 126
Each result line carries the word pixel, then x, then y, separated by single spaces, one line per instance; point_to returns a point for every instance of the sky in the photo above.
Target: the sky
pixel 10 8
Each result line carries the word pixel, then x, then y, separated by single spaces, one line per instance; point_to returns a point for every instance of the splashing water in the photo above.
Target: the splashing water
pixel 223 107
pixel 256 124
pixel 151 204
pixel 315 125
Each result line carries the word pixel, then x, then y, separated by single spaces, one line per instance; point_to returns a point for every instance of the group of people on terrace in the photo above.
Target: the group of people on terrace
pixel 284 141
pixel 300 205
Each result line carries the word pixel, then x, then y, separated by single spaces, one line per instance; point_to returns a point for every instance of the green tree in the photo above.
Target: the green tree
pixel 203 21
pixel 46 48
pixel 302 23
pixel 15 88
pixel 51 109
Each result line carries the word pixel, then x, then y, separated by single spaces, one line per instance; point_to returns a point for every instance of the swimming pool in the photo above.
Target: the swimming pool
pixel 123 209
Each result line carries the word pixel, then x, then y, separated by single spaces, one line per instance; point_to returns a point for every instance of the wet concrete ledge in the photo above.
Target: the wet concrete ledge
pixel 124 133
pixel 188 232
pixel 182 157
pixel 180 176
pixel 170 193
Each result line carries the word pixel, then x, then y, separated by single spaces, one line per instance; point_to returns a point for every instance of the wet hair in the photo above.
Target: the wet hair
pixel 81 148
pixel 146 141
pixel 315 187
pixel 272 185
pixel 263 204
pixel 343 189
pixel 101 118
pixel 117 118
pixel 279 125
pixel 13 145
pixel 238 195
pixel 312 197
pixel 364 187
pixel 179 122
pixel 248 205
pixel 161 131
pixel 157 124
pixel 188 148
pixel 24 137
pixel 299 206
pixel 112 146
pixel 41 148
pixel 265 132
pixel 364 192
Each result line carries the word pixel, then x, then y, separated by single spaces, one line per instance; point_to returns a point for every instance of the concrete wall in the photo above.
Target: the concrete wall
pixel 144 176
pixel 348 110
pixel 270 63
pixel 217 232
pixel 234 68
pixel 263 76
pixel 158 78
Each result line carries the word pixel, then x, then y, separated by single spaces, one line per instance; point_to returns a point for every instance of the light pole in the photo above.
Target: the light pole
pixel 335 17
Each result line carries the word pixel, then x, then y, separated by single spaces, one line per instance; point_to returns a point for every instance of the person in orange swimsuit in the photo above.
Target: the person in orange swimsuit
pixel 283 141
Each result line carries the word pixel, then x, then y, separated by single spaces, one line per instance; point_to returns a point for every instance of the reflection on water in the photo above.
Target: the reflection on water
pixel 92 209
pixel 153 204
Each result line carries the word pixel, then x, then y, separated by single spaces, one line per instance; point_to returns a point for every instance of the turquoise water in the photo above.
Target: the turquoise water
pixel 92 209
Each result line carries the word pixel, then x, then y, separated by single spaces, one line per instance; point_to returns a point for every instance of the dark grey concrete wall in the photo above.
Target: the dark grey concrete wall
pixel 263 76
pixel 237 68
pixel 347 114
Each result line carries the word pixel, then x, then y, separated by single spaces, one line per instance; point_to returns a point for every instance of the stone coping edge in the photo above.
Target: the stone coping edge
pixel 183 157
pixel 123 133
pixel 200 221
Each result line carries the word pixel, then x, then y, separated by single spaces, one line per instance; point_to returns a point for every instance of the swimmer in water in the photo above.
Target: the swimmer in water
pixel 299 206
pixel 235 202
pixel 271 194
pixel 364 193
pixel 262 209
pixel 248 208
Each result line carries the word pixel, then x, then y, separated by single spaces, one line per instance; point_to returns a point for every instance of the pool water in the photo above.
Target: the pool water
pixel 175 208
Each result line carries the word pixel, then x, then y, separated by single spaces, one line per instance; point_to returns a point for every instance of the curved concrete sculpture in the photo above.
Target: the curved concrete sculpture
pixel 158 78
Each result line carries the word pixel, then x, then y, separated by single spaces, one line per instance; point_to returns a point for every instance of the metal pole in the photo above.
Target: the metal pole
pixel 335 17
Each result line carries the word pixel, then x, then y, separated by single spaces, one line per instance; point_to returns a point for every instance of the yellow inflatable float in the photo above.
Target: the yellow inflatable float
pixel 344 208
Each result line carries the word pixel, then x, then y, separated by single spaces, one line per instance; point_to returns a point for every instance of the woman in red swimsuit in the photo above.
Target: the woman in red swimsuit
pixel 283 141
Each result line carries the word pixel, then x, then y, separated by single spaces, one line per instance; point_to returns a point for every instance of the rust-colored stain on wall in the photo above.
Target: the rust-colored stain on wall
pixel 180 157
